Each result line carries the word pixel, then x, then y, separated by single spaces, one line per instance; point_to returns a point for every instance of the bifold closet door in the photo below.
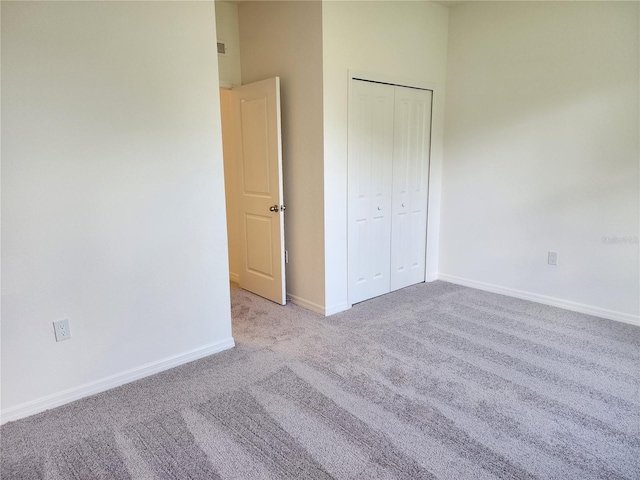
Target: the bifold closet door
pixel 370 166
pixel 411 149
pixel 389 146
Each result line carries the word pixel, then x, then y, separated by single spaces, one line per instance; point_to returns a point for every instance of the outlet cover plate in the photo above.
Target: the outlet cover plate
pixel 62 329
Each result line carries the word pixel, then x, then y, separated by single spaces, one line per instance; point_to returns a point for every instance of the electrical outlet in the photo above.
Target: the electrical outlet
pixel 62 329
pixel 552 259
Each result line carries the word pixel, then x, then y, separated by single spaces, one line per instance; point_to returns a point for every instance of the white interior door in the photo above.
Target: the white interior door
pixel 411 148
pixel 369 172
pixel 260 202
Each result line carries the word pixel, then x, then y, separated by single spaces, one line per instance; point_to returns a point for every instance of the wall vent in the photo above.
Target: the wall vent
pixel 222 48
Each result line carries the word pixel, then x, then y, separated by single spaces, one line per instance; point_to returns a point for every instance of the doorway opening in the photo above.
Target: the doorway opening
pixel 252 152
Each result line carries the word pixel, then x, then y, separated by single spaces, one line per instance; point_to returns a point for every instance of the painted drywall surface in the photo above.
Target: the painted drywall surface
pixel 228 32
pixel 230 183
pixel 541 150
pixel 285 39
pixel 403 40
pixel 112 183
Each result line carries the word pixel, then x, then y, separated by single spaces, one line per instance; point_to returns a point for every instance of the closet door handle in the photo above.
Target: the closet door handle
pixel 273 208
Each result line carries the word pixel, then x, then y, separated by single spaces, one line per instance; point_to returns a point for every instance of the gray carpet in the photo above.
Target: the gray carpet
pixel 433 381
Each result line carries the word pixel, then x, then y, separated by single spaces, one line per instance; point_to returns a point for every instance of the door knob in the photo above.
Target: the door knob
pixel 273 208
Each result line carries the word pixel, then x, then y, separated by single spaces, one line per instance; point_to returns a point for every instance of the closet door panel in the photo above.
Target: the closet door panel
pixel 370 153
pixel 412 144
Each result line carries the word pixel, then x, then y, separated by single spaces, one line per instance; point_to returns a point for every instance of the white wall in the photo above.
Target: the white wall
pixel 541 152
pixel 285 39
pixel 403 40
pixel 227 31
pixel 112 183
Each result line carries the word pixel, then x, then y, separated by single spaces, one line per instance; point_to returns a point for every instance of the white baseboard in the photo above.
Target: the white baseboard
pixel 544 299
pixel 314 307
pixel 301 302
pixel 234 277
pixel 76 393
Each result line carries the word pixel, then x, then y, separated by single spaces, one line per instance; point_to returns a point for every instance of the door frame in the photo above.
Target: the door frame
pixel 433 198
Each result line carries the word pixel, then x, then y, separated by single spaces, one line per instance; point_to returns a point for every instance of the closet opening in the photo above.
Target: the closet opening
pixel 389 148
